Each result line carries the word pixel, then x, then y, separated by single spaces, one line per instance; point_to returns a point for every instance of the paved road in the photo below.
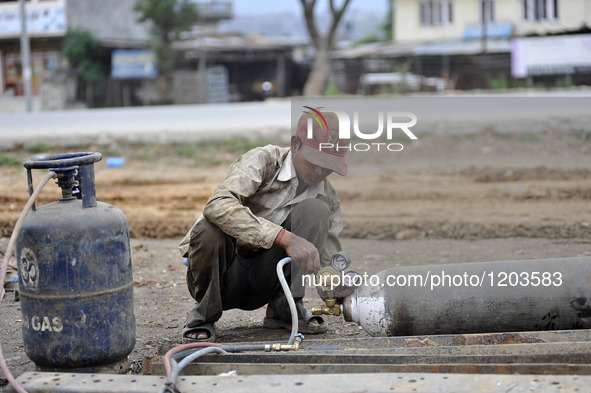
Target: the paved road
pixel 448 114
pixel 148 124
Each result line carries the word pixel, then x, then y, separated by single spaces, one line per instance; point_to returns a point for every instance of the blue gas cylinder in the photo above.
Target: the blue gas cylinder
pixel 75 276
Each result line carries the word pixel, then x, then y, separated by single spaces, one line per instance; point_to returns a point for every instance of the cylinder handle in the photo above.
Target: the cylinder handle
pixel 83 160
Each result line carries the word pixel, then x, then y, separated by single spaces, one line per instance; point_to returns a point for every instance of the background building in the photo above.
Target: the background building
pixel 434 20
pixel 111 22
pixel 209 66
pixel 471 44
pixel 47 25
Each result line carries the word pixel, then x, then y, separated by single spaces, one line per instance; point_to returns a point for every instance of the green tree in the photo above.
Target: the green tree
pixel 85 54
pixel 89 58
pixel 167 19
pixel 388 25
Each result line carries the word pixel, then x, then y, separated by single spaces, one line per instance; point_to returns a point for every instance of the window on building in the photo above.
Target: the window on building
pixel 486 9
pixel 435 12
pixel 539 10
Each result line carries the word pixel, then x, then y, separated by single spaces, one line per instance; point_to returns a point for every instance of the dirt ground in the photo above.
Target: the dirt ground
pixel 444 199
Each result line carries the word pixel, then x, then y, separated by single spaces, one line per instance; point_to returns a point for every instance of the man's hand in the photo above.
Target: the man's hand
pixel 302 252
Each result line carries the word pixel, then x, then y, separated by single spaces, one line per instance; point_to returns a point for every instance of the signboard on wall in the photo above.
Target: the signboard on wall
pixel 565 54
pixel 133 64
pixel 493 30
pixel 42 20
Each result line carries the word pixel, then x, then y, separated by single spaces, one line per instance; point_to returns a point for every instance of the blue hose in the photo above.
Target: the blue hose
pixel 190 355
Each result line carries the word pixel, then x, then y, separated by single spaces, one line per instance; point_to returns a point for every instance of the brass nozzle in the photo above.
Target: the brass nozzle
pixel 323 310
pixel 284 347
pixel 287 347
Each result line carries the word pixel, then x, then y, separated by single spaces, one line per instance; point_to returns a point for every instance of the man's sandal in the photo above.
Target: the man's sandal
pixel 273 323
pixel 208 328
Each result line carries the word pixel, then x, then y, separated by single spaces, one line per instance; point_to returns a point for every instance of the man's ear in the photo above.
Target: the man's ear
pixel 294 143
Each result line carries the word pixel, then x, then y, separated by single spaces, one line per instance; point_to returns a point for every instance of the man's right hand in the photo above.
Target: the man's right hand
pixel 302 252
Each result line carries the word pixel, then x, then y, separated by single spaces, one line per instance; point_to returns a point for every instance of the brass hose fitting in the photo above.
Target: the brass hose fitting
pixel 331 308
pixel 286 347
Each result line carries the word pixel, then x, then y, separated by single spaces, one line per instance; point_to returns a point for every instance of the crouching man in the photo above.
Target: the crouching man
pixel 274 202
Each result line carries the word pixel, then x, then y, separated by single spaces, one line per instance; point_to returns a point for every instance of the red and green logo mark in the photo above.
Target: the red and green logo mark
pixel 317 115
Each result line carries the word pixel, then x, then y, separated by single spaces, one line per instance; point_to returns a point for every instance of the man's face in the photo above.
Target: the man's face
pixel 307 172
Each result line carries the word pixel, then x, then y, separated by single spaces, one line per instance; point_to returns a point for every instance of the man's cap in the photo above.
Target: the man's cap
pixel 324 148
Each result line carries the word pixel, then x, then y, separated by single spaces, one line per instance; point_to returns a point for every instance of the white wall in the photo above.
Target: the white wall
pixel 572 15
pixel 407 28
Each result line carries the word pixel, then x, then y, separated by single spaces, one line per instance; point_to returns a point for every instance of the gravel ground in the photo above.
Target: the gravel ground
pixel 482 197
